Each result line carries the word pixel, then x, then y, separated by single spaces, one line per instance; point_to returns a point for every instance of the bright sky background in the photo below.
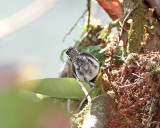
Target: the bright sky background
pixel 41 40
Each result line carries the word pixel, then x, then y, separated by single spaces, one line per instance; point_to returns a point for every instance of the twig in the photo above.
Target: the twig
pixel 124 21
pixel 151 114
pixel 75 24
pixel 84 90
pixel 68 105
pixel 85 35
pixel 89 13
pixel 137 76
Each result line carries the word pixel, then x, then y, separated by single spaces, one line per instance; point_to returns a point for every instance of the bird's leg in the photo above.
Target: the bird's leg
pixel 91 85
pixel 88 95
pixel 84 90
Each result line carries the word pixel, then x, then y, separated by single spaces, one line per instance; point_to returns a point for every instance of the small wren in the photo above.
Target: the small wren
pixel 85 66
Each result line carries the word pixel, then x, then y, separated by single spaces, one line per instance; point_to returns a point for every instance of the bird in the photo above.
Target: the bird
pixel 85 66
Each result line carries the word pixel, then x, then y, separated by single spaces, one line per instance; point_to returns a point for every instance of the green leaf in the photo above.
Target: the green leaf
pixel 62 55
pixel 19 111
pixel 95 51
pixel 66 88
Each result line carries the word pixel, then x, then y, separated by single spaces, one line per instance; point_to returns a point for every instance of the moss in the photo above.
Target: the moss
pixel 156 70
pixel 136 30
pixel 78 118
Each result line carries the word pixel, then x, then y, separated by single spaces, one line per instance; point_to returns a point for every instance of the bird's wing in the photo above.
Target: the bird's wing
pixel 89 55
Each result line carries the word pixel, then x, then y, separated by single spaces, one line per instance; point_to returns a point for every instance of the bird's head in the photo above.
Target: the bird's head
pixel 71 52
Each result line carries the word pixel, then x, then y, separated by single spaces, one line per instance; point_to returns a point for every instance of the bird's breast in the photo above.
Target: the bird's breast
pixel 88 70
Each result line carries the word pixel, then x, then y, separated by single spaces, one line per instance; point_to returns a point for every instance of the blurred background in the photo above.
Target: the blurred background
pixel 31 31
pixel 31 41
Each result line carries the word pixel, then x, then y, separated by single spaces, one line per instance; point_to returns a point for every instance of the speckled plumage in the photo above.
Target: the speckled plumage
pixel 85 66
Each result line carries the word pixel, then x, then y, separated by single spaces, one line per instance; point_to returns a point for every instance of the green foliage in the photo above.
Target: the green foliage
pixel 66 88
pixel 120 56
pixel 93 24
pixel 19 111
pixel 155 70
pixel 94 50
pixel 62 55
pixel 21 108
